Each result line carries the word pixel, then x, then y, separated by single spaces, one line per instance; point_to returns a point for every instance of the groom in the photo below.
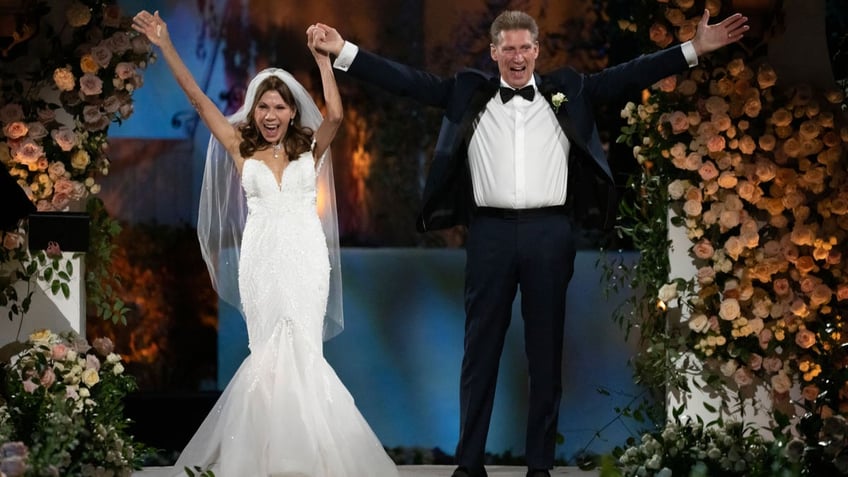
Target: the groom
pixel 518 159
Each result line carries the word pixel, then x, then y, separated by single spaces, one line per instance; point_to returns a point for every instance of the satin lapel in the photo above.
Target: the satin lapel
pixel 478 101
pixel 548 89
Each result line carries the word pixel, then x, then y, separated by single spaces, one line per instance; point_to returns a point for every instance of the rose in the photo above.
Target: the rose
pixel 781 383
pixel 667 292
pixel 659 35
pixel 556 100
pixel 15 130
pixel 78 14
pixel 41 337
pixel 699 323
pixel 729 309
pixel 805 338
pixel 48 378
pixel 12 240
pixel 80 159
pixel 89 65
pixel 90 377
pixel 91 362
pixel 91 85
pixel 103 346
pixel 53 250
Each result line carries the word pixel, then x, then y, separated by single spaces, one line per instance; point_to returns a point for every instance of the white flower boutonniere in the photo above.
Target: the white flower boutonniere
pixel 557 99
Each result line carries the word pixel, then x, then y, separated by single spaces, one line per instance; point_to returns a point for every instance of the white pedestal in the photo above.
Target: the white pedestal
pixel 47 310
pixel 754 405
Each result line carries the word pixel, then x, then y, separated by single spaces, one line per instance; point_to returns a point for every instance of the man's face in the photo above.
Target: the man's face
pixel 516 55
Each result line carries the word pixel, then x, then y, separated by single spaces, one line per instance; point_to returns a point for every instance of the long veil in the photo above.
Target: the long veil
pixel 223 207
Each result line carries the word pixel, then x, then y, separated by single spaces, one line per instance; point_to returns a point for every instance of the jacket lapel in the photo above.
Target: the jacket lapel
pixel 548 89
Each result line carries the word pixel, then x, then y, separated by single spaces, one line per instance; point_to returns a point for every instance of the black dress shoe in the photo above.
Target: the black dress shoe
pixel 465 472
pixel 460 472
pixel 538 473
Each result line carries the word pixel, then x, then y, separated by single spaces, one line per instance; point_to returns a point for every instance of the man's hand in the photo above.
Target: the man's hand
pixel 712 37
pixel 327 39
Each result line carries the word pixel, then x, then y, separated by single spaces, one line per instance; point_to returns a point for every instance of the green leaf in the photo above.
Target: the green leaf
pixel 66 290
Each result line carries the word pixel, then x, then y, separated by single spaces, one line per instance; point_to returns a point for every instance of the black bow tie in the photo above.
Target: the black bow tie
pixel 526 92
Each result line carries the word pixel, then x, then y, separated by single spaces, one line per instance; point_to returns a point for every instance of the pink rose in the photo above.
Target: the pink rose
pixel 703 249
pixel 48 378
pixel 103 346
pixel 102 55
pixel 708 171
pixel 781 287
pixel 91 362
pixel 124 70
pixel 716 143
pixel 805 338
pixel 91 85
pixel 30 386
pixel 772 364
pixel 53 250
pixel 679 122
pixel 119 42
pixel 59 351
pixel 15 130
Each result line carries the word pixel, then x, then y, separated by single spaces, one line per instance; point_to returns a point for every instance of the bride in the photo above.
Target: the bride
pixel 285 412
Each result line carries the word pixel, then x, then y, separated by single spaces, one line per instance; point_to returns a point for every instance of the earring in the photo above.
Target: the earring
pixel 291 123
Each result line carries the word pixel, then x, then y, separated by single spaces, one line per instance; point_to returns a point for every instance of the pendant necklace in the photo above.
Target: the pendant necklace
pixel 277 148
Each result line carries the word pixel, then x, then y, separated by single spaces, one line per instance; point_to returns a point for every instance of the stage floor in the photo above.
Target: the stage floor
pixel 493 471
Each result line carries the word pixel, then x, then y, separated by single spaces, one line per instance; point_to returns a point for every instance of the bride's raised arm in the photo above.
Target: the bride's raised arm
pixel 330 125
pixel 156 31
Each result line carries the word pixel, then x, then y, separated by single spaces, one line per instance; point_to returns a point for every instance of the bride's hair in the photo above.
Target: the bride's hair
pixel 298 138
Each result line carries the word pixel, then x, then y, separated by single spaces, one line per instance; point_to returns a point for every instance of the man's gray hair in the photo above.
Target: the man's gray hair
pixel 513 20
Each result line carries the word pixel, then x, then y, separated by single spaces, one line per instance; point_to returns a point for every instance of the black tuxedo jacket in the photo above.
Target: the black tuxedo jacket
pixel 448 198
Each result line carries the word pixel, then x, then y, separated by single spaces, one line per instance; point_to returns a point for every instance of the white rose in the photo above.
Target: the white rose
pixel 667 292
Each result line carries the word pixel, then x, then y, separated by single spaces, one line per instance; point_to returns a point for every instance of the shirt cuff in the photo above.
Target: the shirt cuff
pixel 688 53
pixel 348 53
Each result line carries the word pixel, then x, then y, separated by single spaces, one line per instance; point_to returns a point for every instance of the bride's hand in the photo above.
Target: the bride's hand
pixel 151 26
pixel 314 36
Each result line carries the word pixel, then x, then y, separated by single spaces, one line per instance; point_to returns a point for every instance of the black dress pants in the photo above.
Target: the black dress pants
pixel 535 251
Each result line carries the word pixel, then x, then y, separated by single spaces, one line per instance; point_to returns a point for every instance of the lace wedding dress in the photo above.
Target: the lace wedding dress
pixel 285 412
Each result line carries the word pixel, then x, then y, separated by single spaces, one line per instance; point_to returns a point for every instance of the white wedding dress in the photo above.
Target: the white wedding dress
pixel 285 412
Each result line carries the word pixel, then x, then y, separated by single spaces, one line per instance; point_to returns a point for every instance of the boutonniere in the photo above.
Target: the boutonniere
pixel 557 99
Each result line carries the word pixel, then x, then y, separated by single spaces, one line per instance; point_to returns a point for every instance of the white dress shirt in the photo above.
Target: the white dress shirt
pixel 518 154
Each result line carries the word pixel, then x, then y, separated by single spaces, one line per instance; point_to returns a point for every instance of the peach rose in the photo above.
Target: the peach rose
pixel 708 171
pixel 781 383
pixel 658 34
pixel 772 364
pixel 729 309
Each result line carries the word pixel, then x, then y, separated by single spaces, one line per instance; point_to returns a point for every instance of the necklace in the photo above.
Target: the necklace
pixel 277 148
